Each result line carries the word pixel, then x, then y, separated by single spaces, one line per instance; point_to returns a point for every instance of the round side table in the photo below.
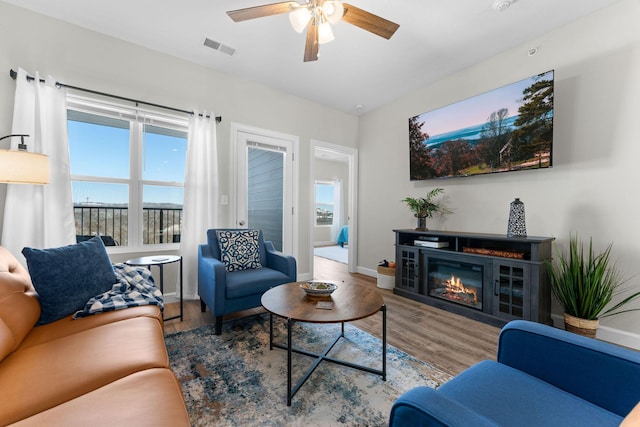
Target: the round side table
pixel 160 261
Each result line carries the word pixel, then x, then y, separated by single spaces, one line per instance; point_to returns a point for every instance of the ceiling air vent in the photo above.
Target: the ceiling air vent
pixel 219 46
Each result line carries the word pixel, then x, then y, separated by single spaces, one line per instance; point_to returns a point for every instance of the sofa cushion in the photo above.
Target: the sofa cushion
pixel 67 277
pixel 147 398
pixel 68 326
pixel 43 376
pixel 251 282
pixel 239 249
pixel 506 395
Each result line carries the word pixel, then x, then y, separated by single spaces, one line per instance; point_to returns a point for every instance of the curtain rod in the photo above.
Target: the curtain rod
pixel 14 75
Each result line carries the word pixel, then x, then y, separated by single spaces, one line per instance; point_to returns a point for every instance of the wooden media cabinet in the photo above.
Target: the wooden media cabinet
pixel 488 277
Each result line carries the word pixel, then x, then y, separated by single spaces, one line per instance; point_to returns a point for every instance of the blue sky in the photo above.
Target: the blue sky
pixel 324 194
pixel 103 151
pixel 476 110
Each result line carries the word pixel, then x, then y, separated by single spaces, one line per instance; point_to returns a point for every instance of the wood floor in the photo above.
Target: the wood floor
pixel 447 341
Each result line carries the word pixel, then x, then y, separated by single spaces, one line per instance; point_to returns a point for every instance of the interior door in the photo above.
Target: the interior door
pixel 328 151
pixel 264 196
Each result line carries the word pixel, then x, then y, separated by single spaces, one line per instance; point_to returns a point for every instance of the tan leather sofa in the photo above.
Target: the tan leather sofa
pixel 110 369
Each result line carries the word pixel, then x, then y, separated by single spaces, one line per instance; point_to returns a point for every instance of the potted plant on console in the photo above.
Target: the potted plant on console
pixel 585 284
pixel 425 207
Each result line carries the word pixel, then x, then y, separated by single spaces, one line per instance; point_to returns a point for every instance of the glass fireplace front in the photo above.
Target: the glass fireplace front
pixel 454 281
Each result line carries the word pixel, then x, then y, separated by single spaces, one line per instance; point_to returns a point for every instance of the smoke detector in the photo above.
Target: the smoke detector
pixel 502 5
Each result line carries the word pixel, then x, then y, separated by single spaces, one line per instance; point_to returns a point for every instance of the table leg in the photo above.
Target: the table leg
pixel 384 342
pixel 324 356
pixel 160 266
pixel 289 326
pixel 270 331
pixel 181 300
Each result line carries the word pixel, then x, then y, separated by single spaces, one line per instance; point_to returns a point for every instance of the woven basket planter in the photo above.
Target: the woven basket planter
pixel 386 277
pixel 580 326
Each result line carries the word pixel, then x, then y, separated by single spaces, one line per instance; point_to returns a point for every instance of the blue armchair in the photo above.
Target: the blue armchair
pixel 543 377
pixel 225 291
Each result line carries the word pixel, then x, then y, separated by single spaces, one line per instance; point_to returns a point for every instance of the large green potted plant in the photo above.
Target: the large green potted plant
pixel 585 283
pixel 425 207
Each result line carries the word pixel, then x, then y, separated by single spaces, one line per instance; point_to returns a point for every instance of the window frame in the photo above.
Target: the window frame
pixel 137 118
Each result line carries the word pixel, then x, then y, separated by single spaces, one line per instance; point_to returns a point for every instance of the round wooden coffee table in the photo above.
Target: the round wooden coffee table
pixel 350 302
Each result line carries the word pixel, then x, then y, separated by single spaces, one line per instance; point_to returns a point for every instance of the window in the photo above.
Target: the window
pixel 324 203
pixel 127 174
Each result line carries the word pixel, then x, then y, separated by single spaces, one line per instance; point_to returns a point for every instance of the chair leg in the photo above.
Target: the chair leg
pixel 203 306
pixel 218 325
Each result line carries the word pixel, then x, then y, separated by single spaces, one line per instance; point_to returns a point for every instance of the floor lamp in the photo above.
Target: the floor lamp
pixel 22 167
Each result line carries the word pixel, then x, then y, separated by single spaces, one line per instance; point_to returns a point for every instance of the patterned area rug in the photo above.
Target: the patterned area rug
pixel 235 380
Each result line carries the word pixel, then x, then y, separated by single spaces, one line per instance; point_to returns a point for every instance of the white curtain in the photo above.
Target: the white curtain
pixel 338 210
pixel 40 216
pixel 200 211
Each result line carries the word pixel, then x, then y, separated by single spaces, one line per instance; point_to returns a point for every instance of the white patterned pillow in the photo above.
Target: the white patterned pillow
pixel 239 249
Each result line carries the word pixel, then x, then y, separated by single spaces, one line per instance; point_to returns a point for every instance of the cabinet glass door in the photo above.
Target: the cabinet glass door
pixel 409 263
pixel 510 290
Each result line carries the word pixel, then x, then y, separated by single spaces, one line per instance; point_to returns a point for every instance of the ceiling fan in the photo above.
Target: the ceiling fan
pixel 317 16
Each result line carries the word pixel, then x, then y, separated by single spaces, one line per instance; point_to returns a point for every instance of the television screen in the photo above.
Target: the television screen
pixel 506 129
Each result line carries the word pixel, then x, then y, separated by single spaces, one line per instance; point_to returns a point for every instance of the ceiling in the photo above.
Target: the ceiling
pixel 356 72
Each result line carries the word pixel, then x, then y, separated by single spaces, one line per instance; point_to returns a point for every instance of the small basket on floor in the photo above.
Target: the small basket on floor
pixel 386 277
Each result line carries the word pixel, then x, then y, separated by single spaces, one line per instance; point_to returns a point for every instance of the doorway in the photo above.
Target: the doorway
pixel 334 170
pixel 266 178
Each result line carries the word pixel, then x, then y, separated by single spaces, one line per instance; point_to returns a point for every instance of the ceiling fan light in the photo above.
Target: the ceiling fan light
pixel 333 10
pixel 299 18
pixel 325 34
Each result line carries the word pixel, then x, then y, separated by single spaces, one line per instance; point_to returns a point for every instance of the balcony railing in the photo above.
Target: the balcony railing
pixel 159 225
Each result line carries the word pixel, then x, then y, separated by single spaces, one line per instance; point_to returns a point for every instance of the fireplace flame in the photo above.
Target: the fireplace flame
pixel 455 286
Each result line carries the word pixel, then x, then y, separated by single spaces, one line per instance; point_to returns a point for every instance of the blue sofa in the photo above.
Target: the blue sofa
pixel 542 377
pixel 227 292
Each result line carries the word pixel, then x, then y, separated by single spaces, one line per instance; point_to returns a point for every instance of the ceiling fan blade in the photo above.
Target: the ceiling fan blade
pixel 260 11
pixel 311 46
pixel 368 21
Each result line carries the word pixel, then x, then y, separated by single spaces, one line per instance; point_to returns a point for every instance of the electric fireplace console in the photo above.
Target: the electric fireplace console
pixel 488 277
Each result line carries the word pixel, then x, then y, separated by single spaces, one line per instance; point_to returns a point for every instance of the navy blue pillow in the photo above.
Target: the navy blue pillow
pixel 67 277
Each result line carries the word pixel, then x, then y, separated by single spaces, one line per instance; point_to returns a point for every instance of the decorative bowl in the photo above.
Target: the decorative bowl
pixel 318 289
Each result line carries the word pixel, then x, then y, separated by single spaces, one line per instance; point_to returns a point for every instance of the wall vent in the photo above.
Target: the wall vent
pixel 219 46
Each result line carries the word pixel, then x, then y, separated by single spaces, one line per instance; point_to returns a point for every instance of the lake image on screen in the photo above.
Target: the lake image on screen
pixel 506 129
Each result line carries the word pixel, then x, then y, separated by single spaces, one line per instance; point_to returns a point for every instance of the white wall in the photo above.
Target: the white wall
pixel 87 59
pixel 592 188
pixel 326 170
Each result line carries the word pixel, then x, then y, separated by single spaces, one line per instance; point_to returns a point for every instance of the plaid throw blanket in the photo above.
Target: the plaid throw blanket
pixel 135 287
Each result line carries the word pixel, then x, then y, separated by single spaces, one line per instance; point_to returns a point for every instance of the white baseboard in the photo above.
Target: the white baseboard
pixel 367 271
pixel 170 297
pixel 302 277
pixel 616 336
pixel 606 333
pixel 328 243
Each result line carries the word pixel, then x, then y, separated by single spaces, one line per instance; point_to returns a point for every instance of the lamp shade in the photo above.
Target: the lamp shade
pixel 23 167
pixel 299 18
pixel 325 34
pixel 333 10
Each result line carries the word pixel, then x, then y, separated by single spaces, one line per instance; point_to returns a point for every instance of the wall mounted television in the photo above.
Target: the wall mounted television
pixel 506 129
